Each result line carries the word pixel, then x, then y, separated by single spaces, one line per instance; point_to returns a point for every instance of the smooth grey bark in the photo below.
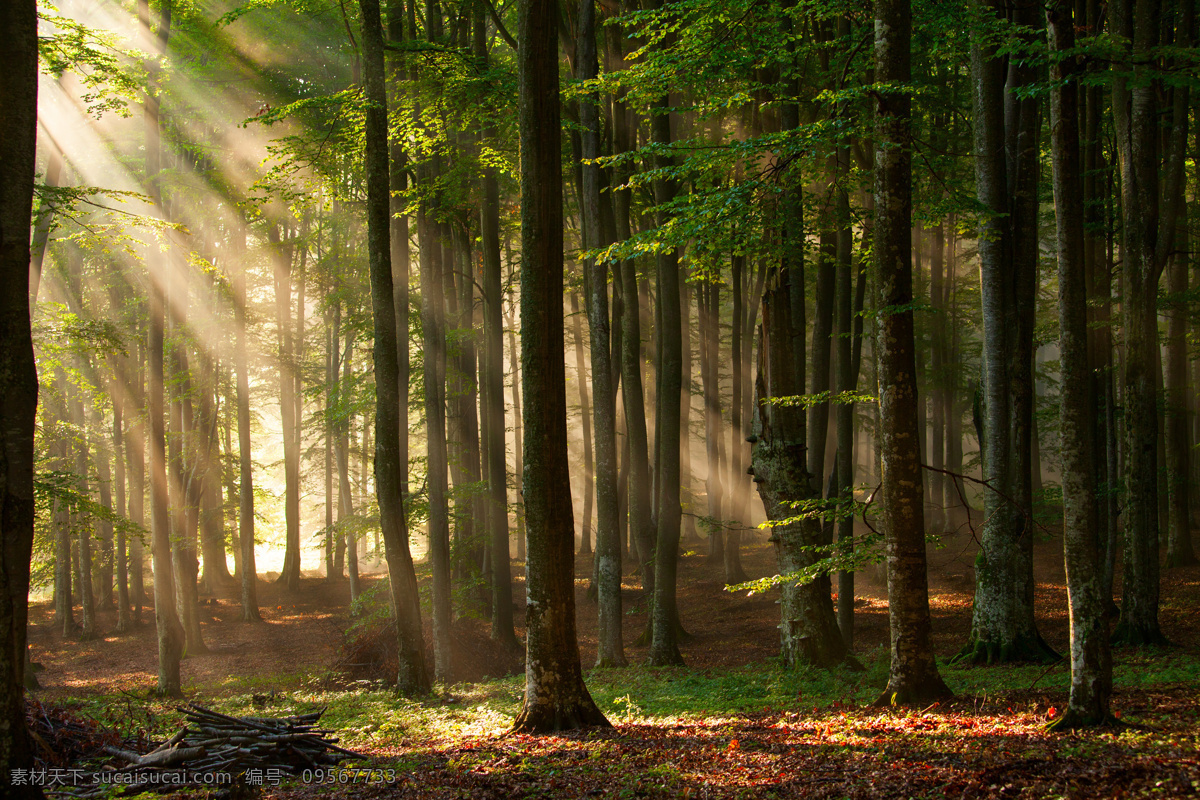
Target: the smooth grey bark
pixel 1149 208
pixel 18 380
pixel 1006 130
pixel 412 677
pixel 555 695
pixel 1091 662
pixel 610 650
pixel 913 677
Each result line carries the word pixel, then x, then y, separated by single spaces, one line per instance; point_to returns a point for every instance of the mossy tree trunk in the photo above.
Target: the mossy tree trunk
pixel 1091 663
pixel 1006 174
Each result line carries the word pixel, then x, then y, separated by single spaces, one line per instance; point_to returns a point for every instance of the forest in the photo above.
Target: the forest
pixel 571 398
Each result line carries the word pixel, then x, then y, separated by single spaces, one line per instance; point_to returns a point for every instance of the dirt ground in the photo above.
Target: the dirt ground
pixel 301 632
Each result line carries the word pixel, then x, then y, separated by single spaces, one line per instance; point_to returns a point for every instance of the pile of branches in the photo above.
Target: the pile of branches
pixel 215 742
pixel 62 738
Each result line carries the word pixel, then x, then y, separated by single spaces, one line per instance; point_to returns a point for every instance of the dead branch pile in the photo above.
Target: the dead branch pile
pixel 211 749
pixel 62 738
pixel 215 742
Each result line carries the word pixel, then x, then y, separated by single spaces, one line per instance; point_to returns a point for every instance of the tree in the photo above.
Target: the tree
pixel 18 379
pixel 1091 664
pixel 1149 208
pixel 664 615
pixel 1007 124
pixel 166 618
pixel 412 677
pixel 608 544
pixel 555 695
pixel 913 678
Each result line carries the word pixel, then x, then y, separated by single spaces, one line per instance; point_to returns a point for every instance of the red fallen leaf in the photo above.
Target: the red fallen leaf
pixel 1053 712
pixel 1117 714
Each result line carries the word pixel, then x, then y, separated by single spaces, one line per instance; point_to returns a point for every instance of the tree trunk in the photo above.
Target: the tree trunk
pixel 412 677
pixel 937 383
pixel 712 420
pixel 18 379
pixel 514 357
pixel 281 258
pixel 664 647
pixel 1006 170
pixel 170 631
pixel 913 678
pixel 809 633
pixel 249 574
pixel 585 414
pixel 493 380
pixel 610 650
pixel 432 321
pixel 1178 440
pixel 1091 663
pixel 846 381
pixel 1149 235
pixel 555 695
pixel 119 393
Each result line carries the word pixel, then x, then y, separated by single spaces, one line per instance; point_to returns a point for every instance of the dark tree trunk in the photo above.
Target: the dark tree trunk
pixel 412 677
pixel 913 678
pixel 1178 443
pixel 555 695
pixel 18 379
pixel 1148 227
pixel 1091 663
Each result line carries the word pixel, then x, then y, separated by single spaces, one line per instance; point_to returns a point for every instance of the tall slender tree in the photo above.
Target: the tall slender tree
pixel 1091 663
pixel 555 695
pixel 412 677
pixel 913 678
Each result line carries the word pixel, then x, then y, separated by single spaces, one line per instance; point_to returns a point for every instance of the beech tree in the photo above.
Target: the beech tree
pixel 1091 663
pixel 913 678
pixel 555 695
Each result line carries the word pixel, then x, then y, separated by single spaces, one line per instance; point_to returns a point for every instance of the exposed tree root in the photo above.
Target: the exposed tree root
pixel 1025 649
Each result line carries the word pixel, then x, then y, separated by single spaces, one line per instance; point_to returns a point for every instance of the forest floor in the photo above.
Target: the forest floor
pixel 729 724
